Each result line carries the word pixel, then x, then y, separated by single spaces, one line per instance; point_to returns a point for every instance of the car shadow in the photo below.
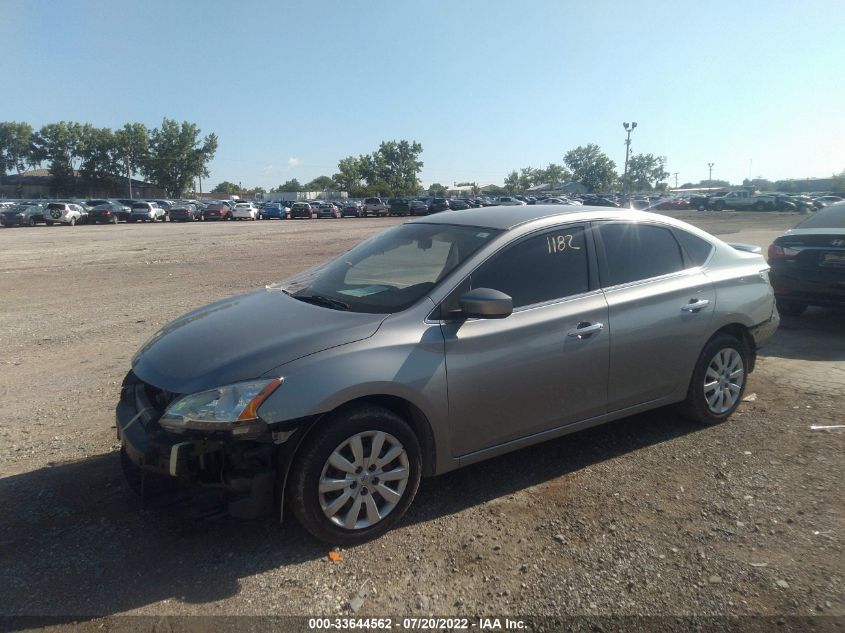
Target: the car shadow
pixel 816 335
pixel 77 542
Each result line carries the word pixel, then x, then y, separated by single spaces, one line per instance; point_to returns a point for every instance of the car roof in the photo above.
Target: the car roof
pixel 509 217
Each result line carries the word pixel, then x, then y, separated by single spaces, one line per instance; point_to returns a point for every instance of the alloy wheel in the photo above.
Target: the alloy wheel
pixel 363 480
pixel 723 380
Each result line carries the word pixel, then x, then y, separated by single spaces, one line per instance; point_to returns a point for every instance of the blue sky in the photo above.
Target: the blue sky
pixel 757 87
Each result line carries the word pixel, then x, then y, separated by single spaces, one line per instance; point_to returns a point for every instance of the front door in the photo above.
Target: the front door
pixel 534 370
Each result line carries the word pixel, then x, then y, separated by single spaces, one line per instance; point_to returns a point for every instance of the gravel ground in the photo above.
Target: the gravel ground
pixel 650 515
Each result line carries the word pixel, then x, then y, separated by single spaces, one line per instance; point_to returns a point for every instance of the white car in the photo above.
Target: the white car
pixel 508 201
pixel 147 212
pixel 245 211
pixel 64 213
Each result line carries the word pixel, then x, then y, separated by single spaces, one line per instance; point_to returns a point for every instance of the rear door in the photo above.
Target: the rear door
pixel 532 371
pixel 660 306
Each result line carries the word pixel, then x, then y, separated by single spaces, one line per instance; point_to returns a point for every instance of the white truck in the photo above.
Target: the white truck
pixel 743 201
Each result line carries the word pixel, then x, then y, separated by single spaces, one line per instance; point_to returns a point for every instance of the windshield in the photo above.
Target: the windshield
pixel 391 271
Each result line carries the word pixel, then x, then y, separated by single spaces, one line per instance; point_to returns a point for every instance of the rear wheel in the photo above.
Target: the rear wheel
pixel 791 308
pixel 719 206
pixel 73 221
pixel 718 381
pixel 759 206
pixel 355 476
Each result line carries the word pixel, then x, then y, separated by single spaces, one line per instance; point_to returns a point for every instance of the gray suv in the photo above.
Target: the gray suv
pixel 439 343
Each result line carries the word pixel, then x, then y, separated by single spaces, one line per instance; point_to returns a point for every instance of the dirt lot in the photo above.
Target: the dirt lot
pixel 650 515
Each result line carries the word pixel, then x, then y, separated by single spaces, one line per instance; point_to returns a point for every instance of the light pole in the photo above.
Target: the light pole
pixel 675 174
pixel 628 129
pixel 710 175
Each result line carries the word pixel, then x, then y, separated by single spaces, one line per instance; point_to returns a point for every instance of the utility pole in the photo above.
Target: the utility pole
pixel 710 175
pixel 676 179
pixel 628 129
pixel 128 175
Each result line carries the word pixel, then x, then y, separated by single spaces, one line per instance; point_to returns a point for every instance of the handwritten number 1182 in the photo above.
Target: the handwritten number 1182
pixel 559 243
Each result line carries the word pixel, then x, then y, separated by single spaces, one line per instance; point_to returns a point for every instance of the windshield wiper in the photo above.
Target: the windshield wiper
pixel 320 300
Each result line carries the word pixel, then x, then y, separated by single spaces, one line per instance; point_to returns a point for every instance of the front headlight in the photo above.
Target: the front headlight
pixel 229 408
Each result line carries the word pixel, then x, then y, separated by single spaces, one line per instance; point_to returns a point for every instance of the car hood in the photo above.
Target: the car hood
pixel 243 337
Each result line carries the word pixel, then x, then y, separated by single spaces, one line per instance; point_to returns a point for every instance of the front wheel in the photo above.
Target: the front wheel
pixel 718 381
pixel 32 222
pixel 355 476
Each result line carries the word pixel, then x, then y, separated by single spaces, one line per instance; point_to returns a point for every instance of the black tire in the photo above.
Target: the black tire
pixel 695 407
pixel 311 458
pixel 759 206
pixel 702 207
pixel 48 223
pixel 719 206
pixel 32 222
pixel 791 308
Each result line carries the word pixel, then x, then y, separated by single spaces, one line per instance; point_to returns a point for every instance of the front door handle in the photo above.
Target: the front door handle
pixel 585 329
pixel 695 305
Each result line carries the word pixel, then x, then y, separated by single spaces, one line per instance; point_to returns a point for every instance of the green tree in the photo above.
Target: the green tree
pixel 591 167
pixel 512 182
pixel 528 177
pixel 100 156
pixel 321 183
pixel 227 188
pixel 59 145
pixel 348 176
pixel 290 185
pixel 133 145
pixel 437 190
pixel 177 156
pixel 645 171
pixel 397 166
pixel 16 151
pixel 553 174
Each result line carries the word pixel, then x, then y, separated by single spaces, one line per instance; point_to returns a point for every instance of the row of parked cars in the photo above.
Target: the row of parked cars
pixel 104 211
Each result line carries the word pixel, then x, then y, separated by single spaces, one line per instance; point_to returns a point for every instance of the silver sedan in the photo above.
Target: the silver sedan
pixel 439 343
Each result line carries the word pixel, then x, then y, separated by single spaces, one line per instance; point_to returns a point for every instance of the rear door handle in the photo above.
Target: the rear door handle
pixel 585 329
pixel 695 305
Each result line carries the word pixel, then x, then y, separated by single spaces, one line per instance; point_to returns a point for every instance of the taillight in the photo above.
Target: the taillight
pixel 780 252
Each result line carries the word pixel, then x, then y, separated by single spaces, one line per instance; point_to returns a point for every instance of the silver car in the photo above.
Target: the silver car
pixel 439 343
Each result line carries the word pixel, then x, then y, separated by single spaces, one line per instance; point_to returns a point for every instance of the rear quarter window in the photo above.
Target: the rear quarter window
pixel 698 250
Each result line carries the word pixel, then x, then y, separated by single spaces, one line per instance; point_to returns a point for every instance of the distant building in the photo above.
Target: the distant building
pixel 38 183
pixel 297 196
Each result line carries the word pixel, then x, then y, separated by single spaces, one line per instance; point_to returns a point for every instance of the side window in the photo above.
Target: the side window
pixel 549 266
pixel 697 249
pixel 638 251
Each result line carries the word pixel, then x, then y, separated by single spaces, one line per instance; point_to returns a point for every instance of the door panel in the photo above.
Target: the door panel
pixel 655 341
pixel 512 377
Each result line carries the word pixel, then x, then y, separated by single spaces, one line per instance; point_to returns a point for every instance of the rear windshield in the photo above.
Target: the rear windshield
pixel 141 205
pixel 54 205
pixel 832 217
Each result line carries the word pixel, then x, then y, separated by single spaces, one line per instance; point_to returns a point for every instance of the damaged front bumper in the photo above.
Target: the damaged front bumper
pixel 245 471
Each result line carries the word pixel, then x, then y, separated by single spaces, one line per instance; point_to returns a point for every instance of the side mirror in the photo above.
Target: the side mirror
pixel 485 303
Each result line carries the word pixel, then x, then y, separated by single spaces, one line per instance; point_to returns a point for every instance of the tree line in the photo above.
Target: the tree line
pixel 589 166
pixel 393 169
pixel 171 156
